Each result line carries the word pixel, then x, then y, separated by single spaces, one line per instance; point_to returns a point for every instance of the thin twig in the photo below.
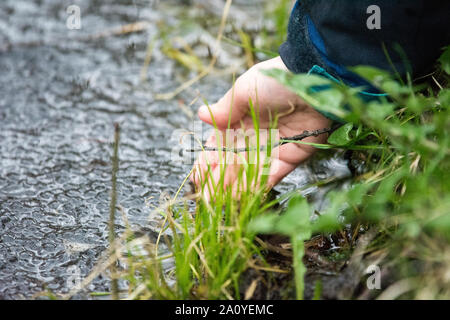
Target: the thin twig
pixel 281 142
pixel 112 208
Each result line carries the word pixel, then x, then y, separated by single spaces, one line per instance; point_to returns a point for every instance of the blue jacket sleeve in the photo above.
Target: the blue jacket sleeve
pixel 336 34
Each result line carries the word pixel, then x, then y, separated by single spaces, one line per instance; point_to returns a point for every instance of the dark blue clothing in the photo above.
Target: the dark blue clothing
pixel 334 34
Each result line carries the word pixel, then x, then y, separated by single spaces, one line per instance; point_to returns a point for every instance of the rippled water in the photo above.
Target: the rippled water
pixel 60 93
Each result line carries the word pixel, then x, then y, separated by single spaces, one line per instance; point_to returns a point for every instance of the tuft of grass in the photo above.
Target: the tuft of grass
pixel 210 248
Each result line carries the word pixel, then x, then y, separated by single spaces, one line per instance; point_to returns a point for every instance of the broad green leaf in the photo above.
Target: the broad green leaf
pixel 264 224
pixel 330 100
pixel 329 221
pixel 297 81
pixel 371 74
pixel 377 110
pixel 298 247
pixel 444 98
pixel 294 222
pixel 441 223
pixel 296 219
pixel 316 90
pixel 445 60
pixel 341 137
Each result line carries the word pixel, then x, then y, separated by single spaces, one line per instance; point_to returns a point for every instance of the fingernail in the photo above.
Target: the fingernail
pixel 202 110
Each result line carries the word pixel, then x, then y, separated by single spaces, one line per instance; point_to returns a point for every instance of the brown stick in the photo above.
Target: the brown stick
pixel 281 142
pixel 112 209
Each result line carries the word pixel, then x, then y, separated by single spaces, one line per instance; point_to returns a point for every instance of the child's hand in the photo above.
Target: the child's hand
pixel 272 98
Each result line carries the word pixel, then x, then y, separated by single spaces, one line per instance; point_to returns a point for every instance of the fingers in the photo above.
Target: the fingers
pixel 269 97
pixel 287 157
pixel 262 90
pixel 221 177
pixel 206 162
pixel 278 170
pixel 232 107
pixel 221 168
pixel 231 174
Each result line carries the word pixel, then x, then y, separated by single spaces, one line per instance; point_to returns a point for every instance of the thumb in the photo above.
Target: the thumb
pixel 231 107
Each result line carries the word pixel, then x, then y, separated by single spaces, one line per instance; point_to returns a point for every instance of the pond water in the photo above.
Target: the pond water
pixel 61 91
